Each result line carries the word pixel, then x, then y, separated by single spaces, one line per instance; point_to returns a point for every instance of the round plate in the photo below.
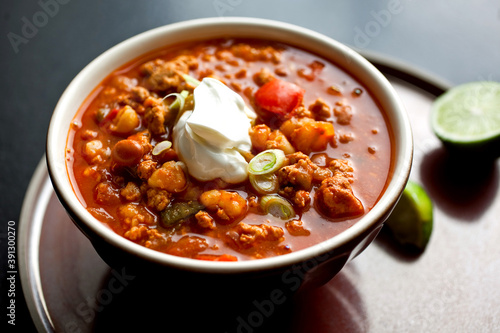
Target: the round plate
pixel 453 285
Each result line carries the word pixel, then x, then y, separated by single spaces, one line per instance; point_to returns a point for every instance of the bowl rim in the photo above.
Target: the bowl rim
pixel 240 27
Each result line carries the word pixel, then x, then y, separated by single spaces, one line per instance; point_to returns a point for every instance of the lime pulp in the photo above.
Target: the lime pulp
pixel 468 114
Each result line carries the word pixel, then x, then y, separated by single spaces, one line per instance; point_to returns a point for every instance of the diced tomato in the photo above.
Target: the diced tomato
pixel 214 257
pixel 111 115
pixel 279 97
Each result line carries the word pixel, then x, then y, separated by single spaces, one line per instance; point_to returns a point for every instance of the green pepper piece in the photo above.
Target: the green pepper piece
pixel 178 212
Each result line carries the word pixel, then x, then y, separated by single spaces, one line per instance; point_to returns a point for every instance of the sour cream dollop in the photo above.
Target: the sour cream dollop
pixel 209 138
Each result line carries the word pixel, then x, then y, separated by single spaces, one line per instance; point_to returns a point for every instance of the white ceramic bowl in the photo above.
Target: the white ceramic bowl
pixel 316 264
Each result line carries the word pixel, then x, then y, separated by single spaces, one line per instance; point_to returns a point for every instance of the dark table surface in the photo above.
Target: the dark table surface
pixel 46 43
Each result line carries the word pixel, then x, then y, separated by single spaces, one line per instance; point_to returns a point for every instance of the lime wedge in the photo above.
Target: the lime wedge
pixel 468 115
pixel 412 218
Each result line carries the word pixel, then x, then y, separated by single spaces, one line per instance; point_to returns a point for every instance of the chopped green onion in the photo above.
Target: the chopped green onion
pixel 264 184
pixel 161 146
pixel 277 206
pixel 180 98
pixel 267 161
pixel 191 80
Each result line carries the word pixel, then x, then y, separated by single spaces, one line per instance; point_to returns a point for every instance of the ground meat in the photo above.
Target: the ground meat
pixel 302 113
pixel 132 215
pixel 155 115
pixel 321 174
pixel 250 53
pixel 342 168
pixel 139 94
pixel 128 100
pixel 106 194
pixel 296 228
pixel 263 76
pixel 205 220
pixel 158 199
pixel 155 239
pixel 236 86
pixel 281 71
pixel 299 173
pixel 145 169
pixel 154 118
pixel 136 233
pixel 335 198
pixel 162 76
pixel 294 158
pixel 346 138
pixel 320 109
pixel 135 99
pixel 300 198
pixel 131 192
pixel 343 113
pixel 241 74
pixel 250 235
pixel 223 55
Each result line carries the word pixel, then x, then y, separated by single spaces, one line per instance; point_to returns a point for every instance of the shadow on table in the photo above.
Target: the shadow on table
pixel 386 241
pixel 162 304
pixel 463 187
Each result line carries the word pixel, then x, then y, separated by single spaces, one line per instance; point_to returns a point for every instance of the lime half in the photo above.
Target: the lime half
pixel 412 218
pixel 468 115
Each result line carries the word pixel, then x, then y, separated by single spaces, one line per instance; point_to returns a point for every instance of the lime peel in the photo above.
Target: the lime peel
pixel 411 221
